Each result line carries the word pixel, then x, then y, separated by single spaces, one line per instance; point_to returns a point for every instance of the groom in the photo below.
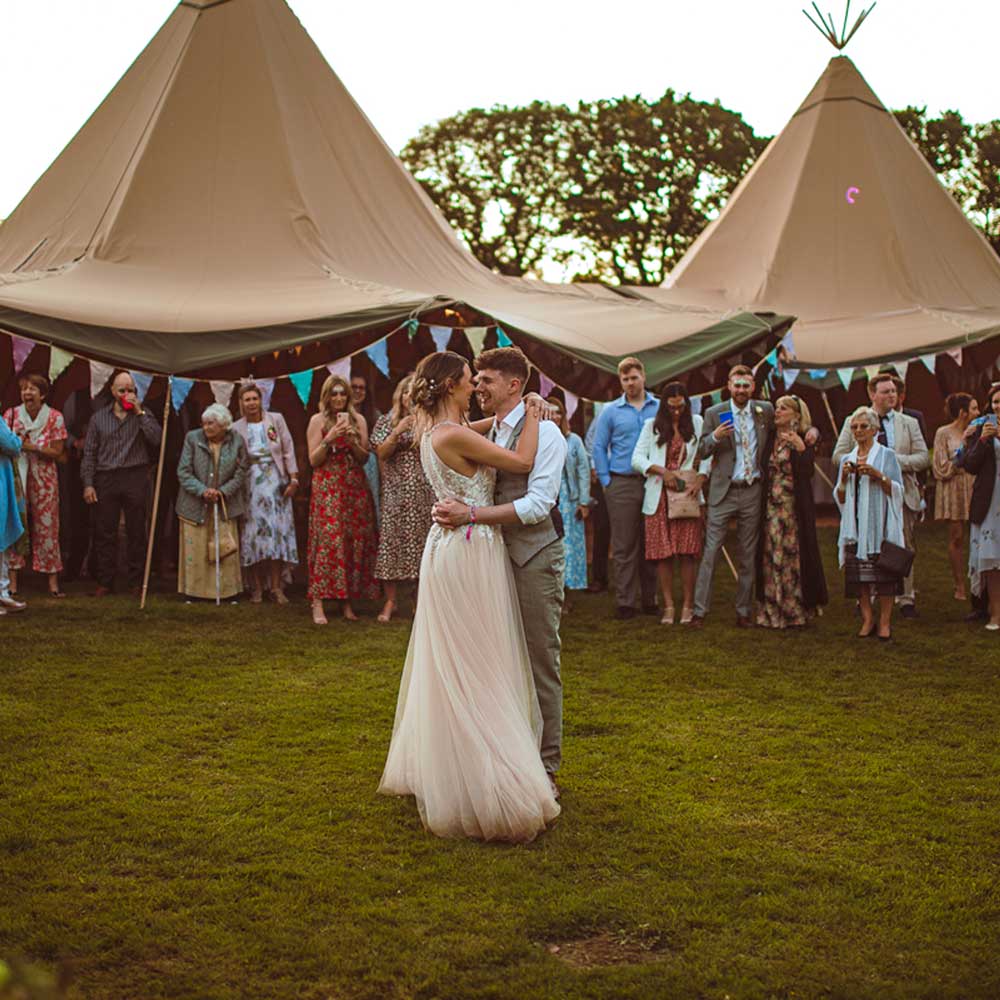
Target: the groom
pixel 526 508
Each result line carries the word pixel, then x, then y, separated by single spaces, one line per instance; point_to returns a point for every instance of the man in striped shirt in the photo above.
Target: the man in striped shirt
pixel 115 474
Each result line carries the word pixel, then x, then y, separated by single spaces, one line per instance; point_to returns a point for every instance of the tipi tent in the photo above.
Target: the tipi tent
pixel 842 223
pixel 229 198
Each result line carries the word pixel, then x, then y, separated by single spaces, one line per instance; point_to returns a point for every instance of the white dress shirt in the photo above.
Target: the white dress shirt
pixel 751 429
pixel 545 477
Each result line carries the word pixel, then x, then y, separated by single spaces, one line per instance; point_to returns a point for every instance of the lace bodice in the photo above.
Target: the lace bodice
pixel 476 490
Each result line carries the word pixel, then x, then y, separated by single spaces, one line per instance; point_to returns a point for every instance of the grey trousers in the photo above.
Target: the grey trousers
pixel 910 518
pixel 744 505
pixel 635 578
pixel 539 584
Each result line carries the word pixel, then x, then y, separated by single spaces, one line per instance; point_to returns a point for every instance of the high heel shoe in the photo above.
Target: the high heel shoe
pixel 319 617
pixel 686 615
pixel 668 615
pixel 886 638
pixel 385 615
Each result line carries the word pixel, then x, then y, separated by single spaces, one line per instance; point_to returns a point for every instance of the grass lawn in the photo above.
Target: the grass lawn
pixel 188 809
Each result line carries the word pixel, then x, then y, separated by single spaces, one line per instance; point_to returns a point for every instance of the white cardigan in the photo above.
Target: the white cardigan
pixel 647 452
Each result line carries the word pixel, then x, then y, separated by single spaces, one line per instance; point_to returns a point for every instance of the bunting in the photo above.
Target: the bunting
pixel 545 385
pixel 790 375
pixel 476 336
pixel 142 383
pixel 99 375
pixel 21 348
pixel 303 385
pixel 222 391
pixel 696 404
pixel 871 371
pixel 572 401
pixel 845 375
pixel 441 335
pixel 930 361
pixel 412 326
pixel 955 355
pixel 902 367
pixel 817 373
pixel 266 386
pixel 379 354
pixel 59 361
pixel 180 389
pixel 342 367
pixel 502 339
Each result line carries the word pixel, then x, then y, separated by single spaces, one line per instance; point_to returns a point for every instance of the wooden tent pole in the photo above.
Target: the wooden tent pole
pixel 829 413
pixel 156 493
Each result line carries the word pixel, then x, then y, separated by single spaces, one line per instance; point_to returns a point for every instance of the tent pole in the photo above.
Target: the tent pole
pixel 156 494
pixel 732 567
pixel 829 412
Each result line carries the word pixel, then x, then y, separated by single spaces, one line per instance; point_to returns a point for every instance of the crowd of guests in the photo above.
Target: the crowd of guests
pixel 656 484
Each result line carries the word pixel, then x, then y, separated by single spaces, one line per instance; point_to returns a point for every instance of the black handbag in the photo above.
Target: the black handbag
pixel 892 559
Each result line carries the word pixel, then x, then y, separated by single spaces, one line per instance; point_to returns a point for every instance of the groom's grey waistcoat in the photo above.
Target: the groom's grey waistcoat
pixel 523 540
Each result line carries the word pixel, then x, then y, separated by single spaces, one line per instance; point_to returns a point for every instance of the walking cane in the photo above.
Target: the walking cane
pixel 218 571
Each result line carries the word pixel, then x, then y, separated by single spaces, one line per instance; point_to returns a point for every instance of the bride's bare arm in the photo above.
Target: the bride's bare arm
pixel 462 447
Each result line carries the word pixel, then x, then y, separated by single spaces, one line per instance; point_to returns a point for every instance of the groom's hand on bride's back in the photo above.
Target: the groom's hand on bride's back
pixel 450 513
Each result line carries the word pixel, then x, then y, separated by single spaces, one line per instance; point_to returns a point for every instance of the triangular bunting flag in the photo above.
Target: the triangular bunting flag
pixel 379 354
pixel 790 375
pixel 696 404
pixel 545 385
pixel 930 361
pixel 99 375
pixel 572 401
pixel 716 397
pixel 502 339
pixel 303 384
pixel 222 390
pixel 871 370
pixel 59 361
pixel 143 380
pixel 441 335
pixel 788 343
pixel 476 336
pixel 21 347
pixel 180 389
pixel 955 355
pixel 266 386
pixel 845 375
pixel 902 367
pixel 412 326
pixel 342 367
pixel 817 374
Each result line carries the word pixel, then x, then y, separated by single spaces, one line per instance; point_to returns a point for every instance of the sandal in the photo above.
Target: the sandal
pixel 319 616
pixel 686 615
pixel 256 597
pixel 668 615
pixel 279 597
pixel 385 615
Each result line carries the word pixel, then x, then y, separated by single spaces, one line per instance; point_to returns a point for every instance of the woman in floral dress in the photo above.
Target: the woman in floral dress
pixel 42 431
pixel 268 548
pixel 343 541
pixel 406 498
pixel 790 580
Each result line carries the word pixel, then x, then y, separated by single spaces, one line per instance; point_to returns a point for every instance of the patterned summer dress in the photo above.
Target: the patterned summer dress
pixel 781 604
pixel 42 495
pixel 406 507
pixel 953 492
pixel 682 536
pixel 269 528
pixel 343 541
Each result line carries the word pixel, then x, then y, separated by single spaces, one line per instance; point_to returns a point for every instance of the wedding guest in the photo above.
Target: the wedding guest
pixel 574 503
pixel 790 579
pixel 268 549
pixel 42 431
pixel 212 473
pixel 618 429
pixel 343 541
pixel 76 518
pixel 954 485
pixel 407 499
pixel 11 525
pixel 666 454
pixel 364 404
pixel 115 474
pixel 983 460
pixel 736 435
pixel 869 494
pixel 597 526
pixel 901 433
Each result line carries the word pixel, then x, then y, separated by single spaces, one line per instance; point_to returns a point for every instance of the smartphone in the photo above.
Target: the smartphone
pixel 726 418
pixel 991 418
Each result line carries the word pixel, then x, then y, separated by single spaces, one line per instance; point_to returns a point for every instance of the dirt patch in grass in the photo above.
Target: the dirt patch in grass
pixel 604 948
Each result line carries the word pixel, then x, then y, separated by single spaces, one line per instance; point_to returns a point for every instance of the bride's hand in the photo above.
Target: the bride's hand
pixel 534 407
pixel 450 513
pixel 548 411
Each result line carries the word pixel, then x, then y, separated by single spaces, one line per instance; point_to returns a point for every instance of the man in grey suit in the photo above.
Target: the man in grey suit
pixel 526 508
pixel 735 436
pixel 901 433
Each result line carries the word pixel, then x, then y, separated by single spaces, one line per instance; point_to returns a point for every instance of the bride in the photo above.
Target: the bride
pixel 466 738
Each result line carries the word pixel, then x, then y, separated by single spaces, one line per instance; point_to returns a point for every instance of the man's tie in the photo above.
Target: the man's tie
pixel 745 444
pixel 883 438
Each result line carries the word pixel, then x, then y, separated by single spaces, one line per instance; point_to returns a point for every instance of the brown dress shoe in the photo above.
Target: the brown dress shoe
pixel 742 621
pixel 696 622
pixel 101 591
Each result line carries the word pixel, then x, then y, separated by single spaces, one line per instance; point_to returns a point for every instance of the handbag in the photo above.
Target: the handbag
pixel 892 559
pixel 229 540
pixel 682 505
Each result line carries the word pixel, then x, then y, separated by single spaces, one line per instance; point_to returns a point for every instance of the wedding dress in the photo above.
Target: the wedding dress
pixel 468 728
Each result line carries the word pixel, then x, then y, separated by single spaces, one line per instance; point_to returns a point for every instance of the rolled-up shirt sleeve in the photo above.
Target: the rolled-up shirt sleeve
pixel 545 477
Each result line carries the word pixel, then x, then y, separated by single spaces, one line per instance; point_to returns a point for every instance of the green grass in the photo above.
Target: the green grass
pixel 188 809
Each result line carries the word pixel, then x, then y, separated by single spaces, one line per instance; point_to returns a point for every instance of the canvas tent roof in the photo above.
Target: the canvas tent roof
pixel 899 272
pixel 229 197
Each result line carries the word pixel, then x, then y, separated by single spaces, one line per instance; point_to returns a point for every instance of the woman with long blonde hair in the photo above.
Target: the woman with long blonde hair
pixel 406 498
pixel 343 541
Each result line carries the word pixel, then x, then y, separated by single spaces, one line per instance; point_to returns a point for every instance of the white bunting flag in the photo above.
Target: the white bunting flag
pixel 99 375
pixel 222 391
pixel 266 386
pixel 341 368
pixel 902 367
pixel 696 405
pixel 790 375
pixel 545 385
pixel 955 355
pixel 441 336
pixel 572 402
pixel 59 361
pixel 476 336
pixel 845 375
pixel 871 370
pixel 930 361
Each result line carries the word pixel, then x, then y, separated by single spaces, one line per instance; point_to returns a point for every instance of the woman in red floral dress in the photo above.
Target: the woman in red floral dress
pixel 343 542
pixel 42 431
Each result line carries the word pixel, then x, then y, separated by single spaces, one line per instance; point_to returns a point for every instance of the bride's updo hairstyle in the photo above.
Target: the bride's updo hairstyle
pixel 435 377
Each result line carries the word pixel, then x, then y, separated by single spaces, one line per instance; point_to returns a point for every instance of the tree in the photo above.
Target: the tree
pixel 647 177
pixel 499 178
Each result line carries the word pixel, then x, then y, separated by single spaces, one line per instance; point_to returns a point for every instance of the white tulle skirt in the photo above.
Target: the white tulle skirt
pixel 467 731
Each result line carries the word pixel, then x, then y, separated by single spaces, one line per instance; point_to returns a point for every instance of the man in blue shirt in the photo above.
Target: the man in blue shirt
pixel 617 432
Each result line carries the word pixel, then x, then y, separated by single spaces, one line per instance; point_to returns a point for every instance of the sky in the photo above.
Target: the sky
pixel 409 64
